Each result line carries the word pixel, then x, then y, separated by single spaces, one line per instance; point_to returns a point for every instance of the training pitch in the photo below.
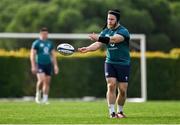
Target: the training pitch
pixel 95 112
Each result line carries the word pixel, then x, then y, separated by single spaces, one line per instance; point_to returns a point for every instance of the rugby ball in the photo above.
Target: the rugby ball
pixel 65 49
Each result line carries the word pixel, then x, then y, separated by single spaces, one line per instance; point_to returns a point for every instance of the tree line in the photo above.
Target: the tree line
pixel 158 19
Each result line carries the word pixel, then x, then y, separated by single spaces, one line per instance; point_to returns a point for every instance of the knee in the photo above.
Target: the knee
pixel 123 92
pixel 111 87
pixel 40 81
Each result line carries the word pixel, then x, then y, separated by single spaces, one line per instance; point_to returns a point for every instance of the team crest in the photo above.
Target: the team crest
pixel 41 45
pixel 112 44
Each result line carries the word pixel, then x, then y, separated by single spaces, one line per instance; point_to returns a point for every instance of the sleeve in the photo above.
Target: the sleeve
pixel 102 33
pixel 52 46
pixel 35 45
pixel 124 33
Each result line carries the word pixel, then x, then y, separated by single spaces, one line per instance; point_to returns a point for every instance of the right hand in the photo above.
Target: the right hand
pixel 33 69
pixel 56 70
pixel 94 37
pixel 83 49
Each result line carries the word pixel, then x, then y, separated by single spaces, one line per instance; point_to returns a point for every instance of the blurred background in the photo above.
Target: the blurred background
pixel 83 76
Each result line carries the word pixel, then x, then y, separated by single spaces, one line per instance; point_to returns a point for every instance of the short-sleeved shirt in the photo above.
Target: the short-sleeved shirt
pixel 117 53
pixel 43 49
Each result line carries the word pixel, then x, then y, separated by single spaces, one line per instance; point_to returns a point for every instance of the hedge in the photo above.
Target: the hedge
pixel 80 77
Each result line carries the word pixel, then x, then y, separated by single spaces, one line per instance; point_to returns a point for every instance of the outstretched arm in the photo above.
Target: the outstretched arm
pixel 93 47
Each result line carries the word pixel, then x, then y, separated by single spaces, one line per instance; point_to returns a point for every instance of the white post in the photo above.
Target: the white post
pixel 143 68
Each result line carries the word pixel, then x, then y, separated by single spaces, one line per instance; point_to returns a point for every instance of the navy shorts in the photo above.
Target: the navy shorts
pixel 120 72
pixel 45 68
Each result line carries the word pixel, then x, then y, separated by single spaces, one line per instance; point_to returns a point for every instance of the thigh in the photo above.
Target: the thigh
pixel 109 71
pixel 122 73
pixel 40 68
pixel 48 69
pixel 111 83
pixel 41 76
pixel 111 80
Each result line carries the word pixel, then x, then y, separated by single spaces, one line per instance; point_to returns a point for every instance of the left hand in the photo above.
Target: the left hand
pixel 94 37
pixel 83 49
pixel 56 70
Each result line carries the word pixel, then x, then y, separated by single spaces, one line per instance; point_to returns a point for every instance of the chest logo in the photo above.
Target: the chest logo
pixel 41 45
pixel 112 44
pixel 46 50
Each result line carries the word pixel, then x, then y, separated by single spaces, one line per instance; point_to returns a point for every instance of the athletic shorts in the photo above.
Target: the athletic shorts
pixel 120 72
pixel 45 68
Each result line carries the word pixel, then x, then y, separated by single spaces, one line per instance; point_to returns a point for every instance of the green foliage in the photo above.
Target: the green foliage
pixel 161 78
pixel 136 17
pixel 26 17
pixel 159 42
pixel 84 16
pixel 174 27
pixel 68 20
pixel 80 77
pixel 12 77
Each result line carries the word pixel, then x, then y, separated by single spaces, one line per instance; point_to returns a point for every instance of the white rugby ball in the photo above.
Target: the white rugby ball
pixel 65 49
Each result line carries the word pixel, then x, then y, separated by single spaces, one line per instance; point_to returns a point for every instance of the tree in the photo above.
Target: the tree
pixel 159 42
pixel 138 21
pixel 69 20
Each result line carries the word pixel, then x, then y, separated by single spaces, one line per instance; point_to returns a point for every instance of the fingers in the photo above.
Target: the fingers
pixel 33 70
pixel 83 49
pixel 93 37
pixel 56 71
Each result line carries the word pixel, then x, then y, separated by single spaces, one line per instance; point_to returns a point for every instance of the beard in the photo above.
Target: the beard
pixel 112 26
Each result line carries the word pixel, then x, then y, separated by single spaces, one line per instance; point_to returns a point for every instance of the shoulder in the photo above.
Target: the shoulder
pixel 123 31
pixel 104 31
pixel 49 41
pixel 35 43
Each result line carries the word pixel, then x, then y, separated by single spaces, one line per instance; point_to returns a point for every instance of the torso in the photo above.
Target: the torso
pixel 117 53
pixel 43 49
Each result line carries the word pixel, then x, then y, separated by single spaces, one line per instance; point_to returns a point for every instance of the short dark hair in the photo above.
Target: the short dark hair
pixel 44 29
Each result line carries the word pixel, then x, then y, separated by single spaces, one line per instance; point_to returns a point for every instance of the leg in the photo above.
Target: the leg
pixel 111 80
pixel 123 76
pixel 122 93
pixel 111 93
pixel 46 86
pixel 40 78
pixel 121 98
pixel 39 85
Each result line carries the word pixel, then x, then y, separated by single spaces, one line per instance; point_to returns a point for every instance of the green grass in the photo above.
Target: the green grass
pixel 69 112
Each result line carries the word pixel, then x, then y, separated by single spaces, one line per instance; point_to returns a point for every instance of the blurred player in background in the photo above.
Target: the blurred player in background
pixel 43 63
pixel 117 64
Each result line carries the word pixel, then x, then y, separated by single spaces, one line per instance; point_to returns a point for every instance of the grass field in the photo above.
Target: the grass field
pixel 77 112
